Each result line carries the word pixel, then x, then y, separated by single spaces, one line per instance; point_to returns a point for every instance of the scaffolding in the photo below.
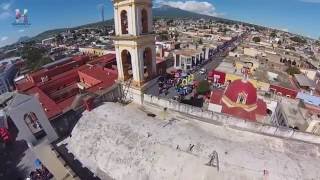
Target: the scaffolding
pixel 125 91
pixel 214 160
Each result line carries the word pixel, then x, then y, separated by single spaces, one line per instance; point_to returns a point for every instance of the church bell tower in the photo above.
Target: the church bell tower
pixel 134 42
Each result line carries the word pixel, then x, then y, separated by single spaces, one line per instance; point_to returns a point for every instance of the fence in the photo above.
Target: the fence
pixel 225 120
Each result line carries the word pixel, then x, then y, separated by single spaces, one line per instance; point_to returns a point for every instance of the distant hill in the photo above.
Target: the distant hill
pixel 54 32
pixel 171 12
pixel 23 38
pixel 159 12
pixel 166 11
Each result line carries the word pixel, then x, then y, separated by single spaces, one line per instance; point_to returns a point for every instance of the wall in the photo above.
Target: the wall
pixel 250 52
pixel 224 120
pixel 17 112
pixel 284 91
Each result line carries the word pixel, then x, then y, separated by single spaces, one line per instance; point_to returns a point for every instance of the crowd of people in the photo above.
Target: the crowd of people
pixel 182 82
pixel 41 172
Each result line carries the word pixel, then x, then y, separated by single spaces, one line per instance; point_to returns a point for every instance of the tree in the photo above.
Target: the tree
pixel 294 63
pixel 203 87
pixel 58 39
pixel 293 70
pixel 256 39
pixel 200 41
pixel 35 57
pixel 298 39
pixel 273 34
pixel 163 37
pixel 291 48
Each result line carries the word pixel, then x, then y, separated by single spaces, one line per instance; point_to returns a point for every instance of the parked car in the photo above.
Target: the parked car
pixel 203 71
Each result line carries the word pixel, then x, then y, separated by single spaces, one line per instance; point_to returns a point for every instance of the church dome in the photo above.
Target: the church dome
pixel 241 94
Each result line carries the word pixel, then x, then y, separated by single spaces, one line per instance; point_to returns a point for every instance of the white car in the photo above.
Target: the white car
pixel 203 71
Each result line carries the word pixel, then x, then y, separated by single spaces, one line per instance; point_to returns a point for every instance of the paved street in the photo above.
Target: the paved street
pixel 17 160
pixel 209 65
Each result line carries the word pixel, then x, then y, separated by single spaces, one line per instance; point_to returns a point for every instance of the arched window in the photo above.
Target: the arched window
pixel 32 122
pixel 147 60
pixel 126 64
pixel 144 21
pixel 124 22
pixel 242 98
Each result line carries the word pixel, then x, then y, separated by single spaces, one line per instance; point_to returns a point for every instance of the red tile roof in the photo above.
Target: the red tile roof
pixel 261 109
pixel 216 96
pixel 64 77
pixel 240 86
pixel 49 106
pixel 106 77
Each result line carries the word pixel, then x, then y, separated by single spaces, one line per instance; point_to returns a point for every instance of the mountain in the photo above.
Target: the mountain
pixel 165 11
pixel 53 32
pixel 159 12
pixel 23 38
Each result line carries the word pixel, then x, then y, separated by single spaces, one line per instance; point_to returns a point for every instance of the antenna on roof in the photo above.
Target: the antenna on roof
pixel 101 9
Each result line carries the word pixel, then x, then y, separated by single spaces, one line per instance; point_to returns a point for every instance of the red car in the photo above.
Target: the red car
pixel 5 135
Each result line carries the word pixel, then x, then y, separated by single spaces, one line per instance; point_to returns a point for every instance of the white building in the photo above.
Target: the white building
pixel 48 41
pixel 187 59
pixel 132 145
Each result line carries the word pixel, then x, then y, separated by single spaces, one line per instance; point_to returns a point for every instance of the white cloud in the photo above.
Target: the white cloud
pixel 5 10
pixel 3 38
pixel 201 7
pixel 21 30
pixel 5 6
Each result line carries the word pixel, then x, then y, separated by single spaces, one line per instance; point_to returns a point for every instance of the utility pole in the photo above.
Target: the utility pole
pixel 101 9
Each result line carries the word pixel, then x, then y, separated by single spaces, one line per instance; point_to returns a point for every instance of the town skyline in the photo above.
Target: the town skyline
pixel 289 15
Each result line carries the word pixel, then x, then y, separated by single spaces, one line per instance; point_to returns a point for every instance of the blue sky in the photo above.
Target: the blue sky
pixel 298 16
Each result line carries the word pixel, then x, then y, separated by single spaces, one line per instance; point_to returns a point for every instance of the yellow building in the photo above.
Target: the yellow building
pixel 252 65
pixel 257 84
pixel 95 51
pixel 233 72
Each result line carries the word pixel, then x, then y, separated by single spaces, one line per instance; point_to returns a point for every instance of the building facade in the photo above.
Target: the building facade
pixel 187 59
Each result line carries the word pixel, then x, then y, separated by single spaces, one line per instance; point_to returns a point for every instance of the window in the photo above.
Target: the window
pixel 182 61
pixel 177 62
pixel 126 64
pixel 32 122
pixel 124 22
pixel 144 21
pixel 242 98
pixel 189 61
pixel 147 59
